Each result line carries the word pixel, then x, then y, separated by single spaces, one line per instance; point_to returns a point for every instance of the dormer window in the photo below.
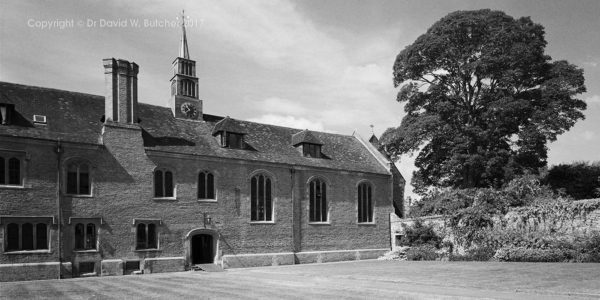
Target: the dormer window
pixel 5 113
pixel 308 144
pixel 231 133
pixel 232 140
pixel 311 150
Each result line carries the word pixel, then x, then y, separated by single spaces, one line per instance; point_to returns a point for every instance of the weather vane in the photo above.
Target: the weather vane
pixel 372 130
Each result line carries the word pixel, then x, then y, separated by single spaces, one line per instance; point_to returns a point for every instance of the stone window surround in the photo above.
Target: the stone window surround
pixel 373 206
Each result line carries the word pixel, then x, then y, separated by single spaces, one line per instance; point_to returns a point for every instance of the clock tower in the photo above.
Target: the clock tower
pixel 184 102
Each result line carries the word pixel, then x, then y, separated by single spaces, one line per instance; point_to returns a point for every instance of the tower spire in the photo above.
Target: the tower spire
pixel 183 48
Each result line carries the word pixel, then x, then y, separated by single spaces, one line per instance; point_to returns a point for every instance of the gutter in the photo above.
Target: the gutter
pixel 59 151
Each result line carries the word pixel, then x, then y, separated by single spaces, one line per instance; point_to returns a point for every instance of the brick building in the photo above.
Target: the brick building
pixel 104 185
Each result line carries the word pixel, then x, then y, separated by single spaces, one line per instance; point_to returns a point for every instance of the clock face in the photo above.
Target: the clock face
pixel 189 110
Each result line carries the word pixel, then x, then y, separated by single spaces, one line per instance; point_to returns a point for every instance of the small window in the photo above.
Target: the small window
pixel 78 179
pixel 232 140
pixel 146 236
pixel 311 150
pixel 87 268
pixel 26 236
pixel 131 266
pixel 85 236
pixel 206 185
pixel 163 184
pixel 261 200
pixel 318 201
pixel 10 171
pixel 365 203
pixel 39 119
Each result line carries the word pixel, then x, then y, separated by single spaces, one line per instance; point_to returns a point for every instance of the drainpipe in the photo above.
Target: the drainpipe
pixel 58 151
pixel 292 185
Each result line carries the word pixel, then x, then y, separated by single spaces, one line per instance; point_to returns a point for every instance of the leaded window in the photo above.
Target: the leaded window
pixel 261 200
pixel 318 201
pixel 365 203
pixel 163 184
pixel 206 185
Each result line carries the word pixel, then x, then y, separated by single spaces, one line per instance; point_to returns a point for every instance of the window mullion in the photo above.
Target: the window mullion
pixel 20 236
pixel 35 236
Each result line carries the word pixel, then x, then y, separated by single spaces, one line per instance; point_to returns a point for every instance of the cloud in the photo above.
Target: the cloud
pixel 278 105
pixel 289 121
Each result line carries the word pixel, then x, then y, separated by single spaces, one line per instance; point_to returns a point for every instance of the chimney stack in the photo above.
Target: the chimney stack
pixel 121 91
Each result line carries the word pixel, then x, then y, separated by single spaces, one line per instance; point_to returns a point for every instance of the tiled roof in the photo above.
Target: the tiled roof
pixel 76 117
pixel 305 136
pixel 230 125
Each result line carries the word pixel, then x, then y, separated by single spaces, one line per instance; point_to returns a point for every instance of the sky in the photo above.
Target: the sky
pixel 318 64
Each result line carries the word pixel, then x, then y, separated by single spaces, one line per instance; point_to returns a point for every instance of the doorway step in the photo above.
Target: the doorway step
pixel 207 268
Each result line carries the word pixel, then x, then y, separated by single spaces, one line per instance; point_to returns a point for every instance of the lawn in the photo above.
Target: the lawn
pixel 348 280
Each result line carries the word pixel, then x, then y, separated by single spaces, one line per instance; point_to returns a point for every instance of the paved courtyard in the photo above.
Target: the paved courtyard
pixel 348 280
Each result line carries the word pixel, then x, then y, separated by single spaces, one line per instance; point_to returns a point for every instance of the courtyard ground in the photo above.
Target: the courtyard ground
pixel 348 280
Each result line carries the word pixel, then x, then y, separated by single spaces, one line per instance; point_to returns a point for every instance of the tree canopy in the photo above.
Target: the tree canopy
pixel 482 100
pixel 580 180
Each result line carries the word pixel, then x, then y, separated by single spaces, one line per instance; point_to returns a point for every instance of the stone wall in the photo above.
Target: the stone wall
pixel 581 222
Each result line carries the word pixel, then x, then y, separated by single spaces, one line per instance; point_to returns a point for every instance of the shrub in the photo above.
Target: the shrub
pixel 420 234
pixel 522 254
pixel 422 252
pixel 475 254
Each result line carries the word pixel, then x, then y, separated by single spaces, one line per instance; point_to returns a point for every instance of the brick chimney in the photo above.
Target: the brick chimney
pixel 121 91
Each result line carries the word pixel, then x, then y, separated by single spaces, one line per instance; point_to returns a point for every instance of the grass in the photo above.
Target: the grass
pixel 348 280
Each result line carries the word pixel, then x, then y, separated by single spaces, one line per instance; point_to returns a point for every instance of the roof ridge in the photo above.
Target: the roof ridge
pixel 161 106
pixel 49 89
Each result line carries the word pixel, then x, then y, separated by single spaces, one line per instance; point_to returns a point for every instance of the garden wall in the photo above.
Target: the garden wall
pixel 583 216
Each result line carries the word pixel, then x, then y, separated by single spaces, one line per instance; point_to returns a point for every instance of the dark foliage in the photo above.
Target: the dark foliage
pixel 579 180
pixel 420 234
pixel 422 252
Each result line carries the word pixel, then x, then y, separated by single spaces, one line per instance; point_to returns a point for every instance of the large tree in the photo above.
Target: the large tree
pixel 482 100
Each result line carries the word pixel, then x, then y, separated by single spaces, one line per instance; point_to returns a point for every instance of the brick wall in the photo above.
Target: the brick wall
pixel 122 185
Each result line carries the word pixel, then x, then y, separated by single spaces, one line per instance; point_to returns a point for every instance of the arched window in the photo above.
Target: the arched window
pixel 365 203
pixel 318 201
pixel 261 201
pixel 146 236
pixel 85 236
pixel 206 185
pixel 78 179
pixel 163 184
pixel 10 171
pixel 26 236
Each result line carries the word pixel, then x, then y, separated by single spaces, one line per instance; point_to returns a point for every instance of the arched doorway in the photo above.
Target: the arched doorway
pixel 202 247
pixel 202 251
